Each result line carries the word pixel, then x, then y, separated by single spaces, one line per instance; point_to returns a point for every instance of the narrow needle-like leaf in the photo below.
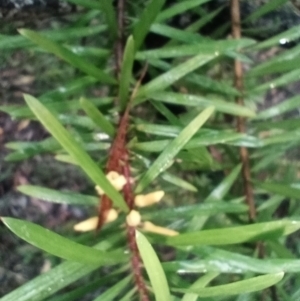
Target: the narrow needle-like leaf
pixel 74 149
pixel 126 72
pixel 148 16
pixel 67 56
pixel 153 268
pixel 172 149
pixel 240 287
pixel 58 245
pixel 99 119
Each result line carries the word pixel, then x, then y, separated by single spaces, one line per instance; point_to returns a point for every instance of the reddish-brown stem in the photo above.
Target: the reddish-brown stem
pixel 118 158
pixel 119 161
pixel 241 123
pixel 136 265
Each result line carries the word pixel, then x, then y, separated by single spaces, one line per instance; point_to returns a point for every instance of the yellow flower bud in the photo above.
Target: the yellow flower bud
pixel 133 219
pixel 117 180
pixel 148 226
pixel 91 223
pixel 144 200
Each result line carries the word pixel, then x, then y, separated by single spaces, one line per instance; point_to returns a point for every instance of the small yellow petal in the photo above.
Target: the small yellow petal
pixel 133 219
pixel 92 222
pixel 99 190
pixel 112 215
pixel 87 225
pixel 148 226
pixel 116 180
pixel 144 200
pixel 112 175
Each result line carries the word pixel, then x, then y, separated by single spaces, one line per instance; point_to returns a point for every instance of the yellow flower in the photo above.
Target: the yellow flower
pixel 144 200
pixel 116 180
pixel 91 223
pixel 133 219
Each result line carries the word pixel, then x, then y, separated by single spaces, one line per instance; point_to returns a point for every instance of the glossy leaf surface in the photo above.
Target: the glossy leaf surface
pixel 240 287
pixel 68 56
pixel 74 149
pixel 58 245
pixel 153 268
pixel 235 235
pixel 172 149
pixel 61 197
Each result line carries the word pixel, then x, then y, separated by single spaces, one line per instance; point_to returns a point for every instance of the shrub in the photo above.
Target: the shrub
pixel 175 135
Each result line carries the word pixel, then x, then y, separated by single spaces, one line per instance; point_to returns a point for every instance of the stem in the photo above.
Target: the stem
pixel 136 264
pixel 119 161
pixel 241 123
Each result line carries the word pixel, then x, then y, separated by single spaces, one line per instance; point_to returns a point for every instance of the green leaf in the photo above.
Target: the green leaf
pixel 61 34
pixel 147 17
pixel 179 182
pixel 115 290
pixel 126 72
pixel 172 149
pixel 179 8
pixel 205 48
pixel 82 290
pixel 67 56
pixel 205 82
pixel 46 284
pixel 283 80
pixel 97 117
pixel 162 109
pixel 72 87
pixel 168 78
pixel 153 268
pixel 277 63
pixel 110 16
pixel 281 108
pixel 265 9
pixel 239 287
pixel 220 261
pixel 74 149
pixel 204 20
pixel 283 137
pixel 178 34
pixel 58 107
pixel 92 4
pixel 222 189
pixel 201 102
pixel 235 235
pixel 281 189
pixel 25 150
pixel 218 194
pixel 59 246
pixel 196 142
pixel 66 159
pixel 200 283
pixel 284 37
pixel 197 210
pixel 55 196
pixel 87 51
pixel 129 296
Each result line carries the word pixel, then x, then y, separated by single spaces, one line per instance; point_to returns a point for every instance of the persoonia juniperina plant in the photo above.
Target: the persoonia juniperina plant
pixel 220 230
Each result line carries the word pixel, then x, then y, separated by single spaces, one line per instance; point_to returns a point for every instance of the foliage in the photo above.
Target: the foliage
pixel 193 156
